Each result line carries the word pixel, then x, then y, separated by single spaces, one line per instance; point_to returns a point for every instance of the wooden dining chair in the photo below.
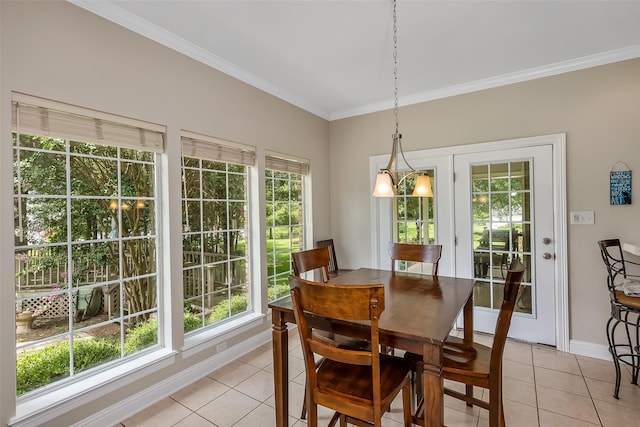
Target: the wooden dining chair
pixel 312 259
pixel 625 311
pixel 358 384
pixel 334 270
pixel 416 253
pixel 319 259
pixel 475 364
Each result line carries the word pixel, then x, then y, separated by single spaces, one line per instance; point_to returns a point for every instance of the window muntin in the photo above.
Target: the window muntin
pixel 502 230
pixel 414 218
pixel 285 226
pixel 215 246
pixel 86 255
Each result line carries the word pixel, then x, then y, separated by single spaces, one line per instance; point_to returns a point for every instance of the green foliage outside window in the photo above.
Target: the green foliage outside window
pixel 284 219
pixel 51 363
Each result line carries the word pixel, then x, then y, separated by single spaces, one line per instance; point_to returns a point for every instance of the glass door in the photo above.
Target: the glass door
pixel 504 210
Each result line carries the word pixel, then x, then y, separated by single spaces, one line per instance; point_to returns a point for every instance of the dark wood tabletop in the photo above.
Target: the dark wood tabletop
pixel 420 311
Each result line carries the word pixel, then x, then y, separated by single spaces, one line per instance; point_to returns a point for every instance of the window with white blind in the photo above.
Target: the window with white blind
pixel 86 244
pixel 285 208
pixel 215 252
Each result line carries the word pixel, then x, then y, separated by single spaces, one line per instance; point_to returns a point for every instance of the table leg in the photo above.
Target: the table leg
pixel 280 344
pixel 433 408
pixel 468 320
pixel 468 335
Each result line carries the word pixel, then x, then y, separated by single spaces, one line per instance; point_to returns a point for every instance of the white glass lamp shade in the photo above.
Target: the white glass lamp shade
pixel 423 187
pixel 384 185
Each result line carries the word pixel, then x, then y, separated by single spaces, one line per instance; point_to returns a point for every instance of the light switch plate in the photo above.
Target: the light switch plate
pixel 582 217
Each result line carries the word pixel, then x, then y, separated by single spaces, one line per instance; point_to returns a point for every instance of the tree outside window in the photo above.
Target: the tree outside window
pixel 85 254
pixel 214 244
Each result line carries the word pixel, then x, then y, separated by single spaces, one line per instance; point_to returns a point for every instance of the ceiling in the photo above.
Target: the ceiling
pixel 335 58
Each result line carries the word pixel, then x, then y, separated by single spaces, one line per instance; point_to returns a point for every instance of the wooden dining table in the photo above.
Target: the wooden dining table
pixel 420 311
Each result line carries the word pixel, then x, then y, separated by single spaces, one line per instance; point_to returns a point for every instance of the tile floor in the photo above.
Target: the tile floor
pixel 542 387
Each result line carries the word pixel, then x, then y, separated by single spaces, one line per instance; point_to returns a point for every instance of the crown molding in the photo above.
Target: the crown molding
pixel 126 19
pixel 122 17
pixel 581 63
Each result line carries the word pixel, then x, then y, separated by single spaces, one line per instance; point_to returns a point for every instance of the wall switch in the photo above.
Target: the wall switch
pixel 582 217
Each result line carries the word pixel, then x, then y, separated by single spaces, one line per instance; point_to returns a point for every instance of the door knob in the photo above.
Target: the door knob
pixel 546 240
pixel 546 255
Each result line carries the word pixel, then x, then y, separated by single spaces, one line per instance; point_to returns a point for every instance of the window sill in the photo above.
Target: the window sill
pixel 216 336
pixel 48 405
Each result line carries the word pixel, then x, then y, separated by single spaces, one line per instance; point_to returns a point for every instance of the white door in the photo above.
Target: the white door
pixel 504 210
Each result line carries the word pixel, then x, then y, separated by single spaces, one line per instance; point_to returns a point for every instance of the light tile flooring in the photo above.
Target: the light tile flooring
pixel 542 387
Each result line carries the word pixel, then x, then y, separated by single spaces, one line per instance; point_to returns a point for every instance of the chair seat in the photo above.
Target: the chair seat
pixel 631 302
pixel 343 341
pixel 460 357
pixel 457 349
pixel 394 373
pixel 472 360
pixel 454 348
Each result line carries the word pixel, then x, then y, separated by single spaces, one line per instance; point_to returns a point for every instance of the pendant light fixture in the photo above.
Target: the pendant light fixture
pixel 387 179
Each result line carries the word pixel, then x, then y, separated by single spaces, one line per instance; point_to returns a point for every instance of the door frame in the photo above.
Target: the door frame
pixel 558 144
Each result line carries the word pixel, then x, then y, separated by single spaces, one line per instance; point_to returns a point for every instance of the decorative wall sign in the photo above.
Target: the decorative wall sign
pixel 620 186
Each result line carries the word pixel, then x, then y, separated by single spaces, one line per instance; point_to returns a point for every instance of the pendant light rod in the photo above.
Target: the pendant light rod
pixel 387 179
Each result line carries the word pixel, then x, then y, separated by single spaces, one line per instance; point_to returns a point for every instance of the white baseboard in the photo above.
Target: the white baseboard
pixel 589 349
pixel 134 404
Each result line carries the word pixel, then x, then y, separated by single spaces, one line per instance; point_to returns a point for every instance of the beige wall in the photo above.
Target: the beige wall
pixel 58 51
pixel 598 109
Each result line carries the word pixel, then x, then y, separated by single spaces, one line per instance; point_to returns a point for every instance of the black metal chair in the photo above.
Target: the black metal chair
pixel 625 312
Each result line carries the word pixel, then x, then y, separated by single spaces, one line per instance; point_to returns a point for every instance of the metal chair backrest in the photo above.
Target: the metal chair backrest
pixel 611 252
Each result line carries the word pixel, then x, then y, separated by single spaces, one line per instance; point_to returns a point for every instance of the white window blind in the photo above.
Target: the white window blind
pixel 217 150
pixel 37 116
pixel 286 164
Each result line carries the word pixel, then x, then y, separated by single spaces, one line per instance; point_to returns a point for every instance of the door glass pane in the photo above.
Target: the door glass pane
pixel 414 218
pixel 501 210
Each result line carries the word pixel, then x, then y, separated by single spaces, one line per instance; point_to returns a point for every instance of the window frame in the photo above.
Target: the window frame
pixel 204 148
pixel 285 164
pixel 69 115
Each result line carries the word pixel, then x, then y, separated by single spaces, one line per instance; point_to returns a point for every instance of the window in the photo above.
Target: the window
pixel 86 255
pixel 285 179
pixel 215 251
pixel 413 217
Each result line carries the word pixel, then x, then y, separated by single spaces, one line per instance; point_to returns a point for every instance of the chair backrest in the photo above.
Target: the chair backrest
pixel 416 253
pixel 351 302
pixel 333 260
pixel 611 252
pixel 311 259
pixel 511 290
